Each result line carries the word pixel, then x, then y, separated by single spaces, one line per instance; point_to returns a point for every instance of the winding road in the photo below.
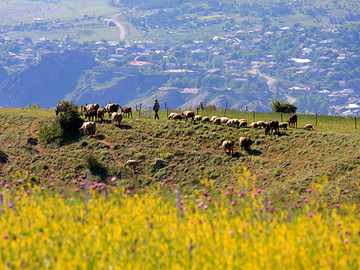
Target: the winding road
pixel 120 26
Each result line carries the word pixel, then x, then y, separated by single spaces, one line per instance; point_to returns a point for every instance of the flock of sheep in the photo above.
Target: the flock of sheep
pixel 93 111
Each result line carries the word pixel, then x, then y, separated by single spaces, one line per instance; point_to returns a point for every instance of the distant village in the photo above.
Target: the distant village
pixel 315 59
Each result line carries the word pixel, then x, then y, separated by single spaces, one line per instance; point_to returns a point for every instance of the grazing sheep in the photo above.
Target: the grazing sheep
pixel 254 125
pixel 158 164
pixel 90 107
pixel 308 126
pixel 205 119
pixel 100 113
pixel 90 114
pixel 224 120
pixel 131 164
pixel 88 128
pixel 213 118
pixel 233 122
pixel 110 108
pixel 116 117
pixel 245 143
pixel 283 125
pixel 228 146
pixel 272 125
pixel 292 120
pixel 261 124
pixel 177 117
pixel 171 115
pixel 217 121
pixel 126 111
pixel 243 123
pixel 197 118
pixel 188 114
pixel 61 107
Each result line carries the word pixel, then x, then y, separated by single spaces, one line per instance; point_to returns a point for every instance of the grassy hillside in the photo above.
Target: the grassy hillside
pixel 296 160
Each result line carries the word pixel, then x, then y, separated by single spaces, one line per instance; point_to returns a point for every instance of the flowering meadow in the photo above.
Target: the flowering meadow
pixel 96 226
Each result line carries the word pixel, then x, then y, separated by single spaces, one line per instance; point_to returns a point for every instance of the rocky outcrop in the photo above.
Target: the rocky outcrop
pixel 47 82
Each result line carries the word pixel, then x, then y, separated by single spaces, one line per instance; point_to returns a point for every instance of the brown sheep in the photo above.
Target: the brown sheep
pixel 224 120
pixel 254 125
pixel 205 119
pixel 272 125
pixel 245 143
pixel 213 118
pixel 126 111
pixel 88 128
pixel 177 117
pixel 308 126
pixel 90 107
pixel 228 146
pixel 110 108
pixel 217 121
pixel 171 115
pixel 261 124
pixel 188 114
pixel 283 125
pixel 131 164
pixel 233 122
pixel 292 120
pixel 100 113
pixel 197 118
pixel 90 114
pixel 243 123
pixel 116 117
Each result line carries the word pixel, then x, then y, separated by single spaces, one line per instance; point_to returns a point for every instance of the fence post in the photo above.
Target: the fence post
pixel 165 106
pixel 254 115
pixel 136 107
pixel 355 122
pixel 246 108
pixel 225 109
pixel 139 109
pixel 316 120
pixel 197 111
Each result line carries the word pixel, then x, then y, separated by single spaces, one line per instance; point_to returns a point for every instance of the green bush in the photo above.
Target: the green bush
pixel 62 128
pixel 50 134
pixel 3 157
pixel 94 166
pixel 283 106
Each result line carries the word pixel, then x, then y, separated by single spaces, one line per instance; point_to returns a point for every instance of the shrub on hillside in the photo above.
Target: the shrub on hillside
pixel 3 157
pixel 283 106
pixel 95 166
pixel 62 128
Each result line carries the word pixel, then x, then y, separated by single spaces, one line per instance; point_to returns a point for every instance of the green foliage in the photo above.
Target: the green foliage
pixel 95 167
pixel 62 128
pixel 3 157
pixel 50 133
pixel 33 106
pixel 283 106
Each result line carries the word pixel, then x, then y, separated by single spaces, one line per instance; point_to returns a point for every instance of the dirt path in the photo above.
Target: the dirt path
pixel 34 135
pixel 118 162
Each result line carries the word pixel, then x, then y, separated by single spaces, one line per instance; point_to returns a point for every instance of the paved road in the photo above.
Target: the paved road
pixel 270 80
pixel 120 26
pixel 290 99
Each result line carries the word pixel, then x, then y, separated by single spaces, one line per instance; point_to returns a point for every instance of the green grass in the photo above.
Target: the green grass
pixel 296 160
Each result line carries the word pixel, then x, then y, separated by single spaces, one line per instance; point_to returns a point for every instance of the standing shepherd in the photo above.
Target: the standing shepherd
pixel 156 108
